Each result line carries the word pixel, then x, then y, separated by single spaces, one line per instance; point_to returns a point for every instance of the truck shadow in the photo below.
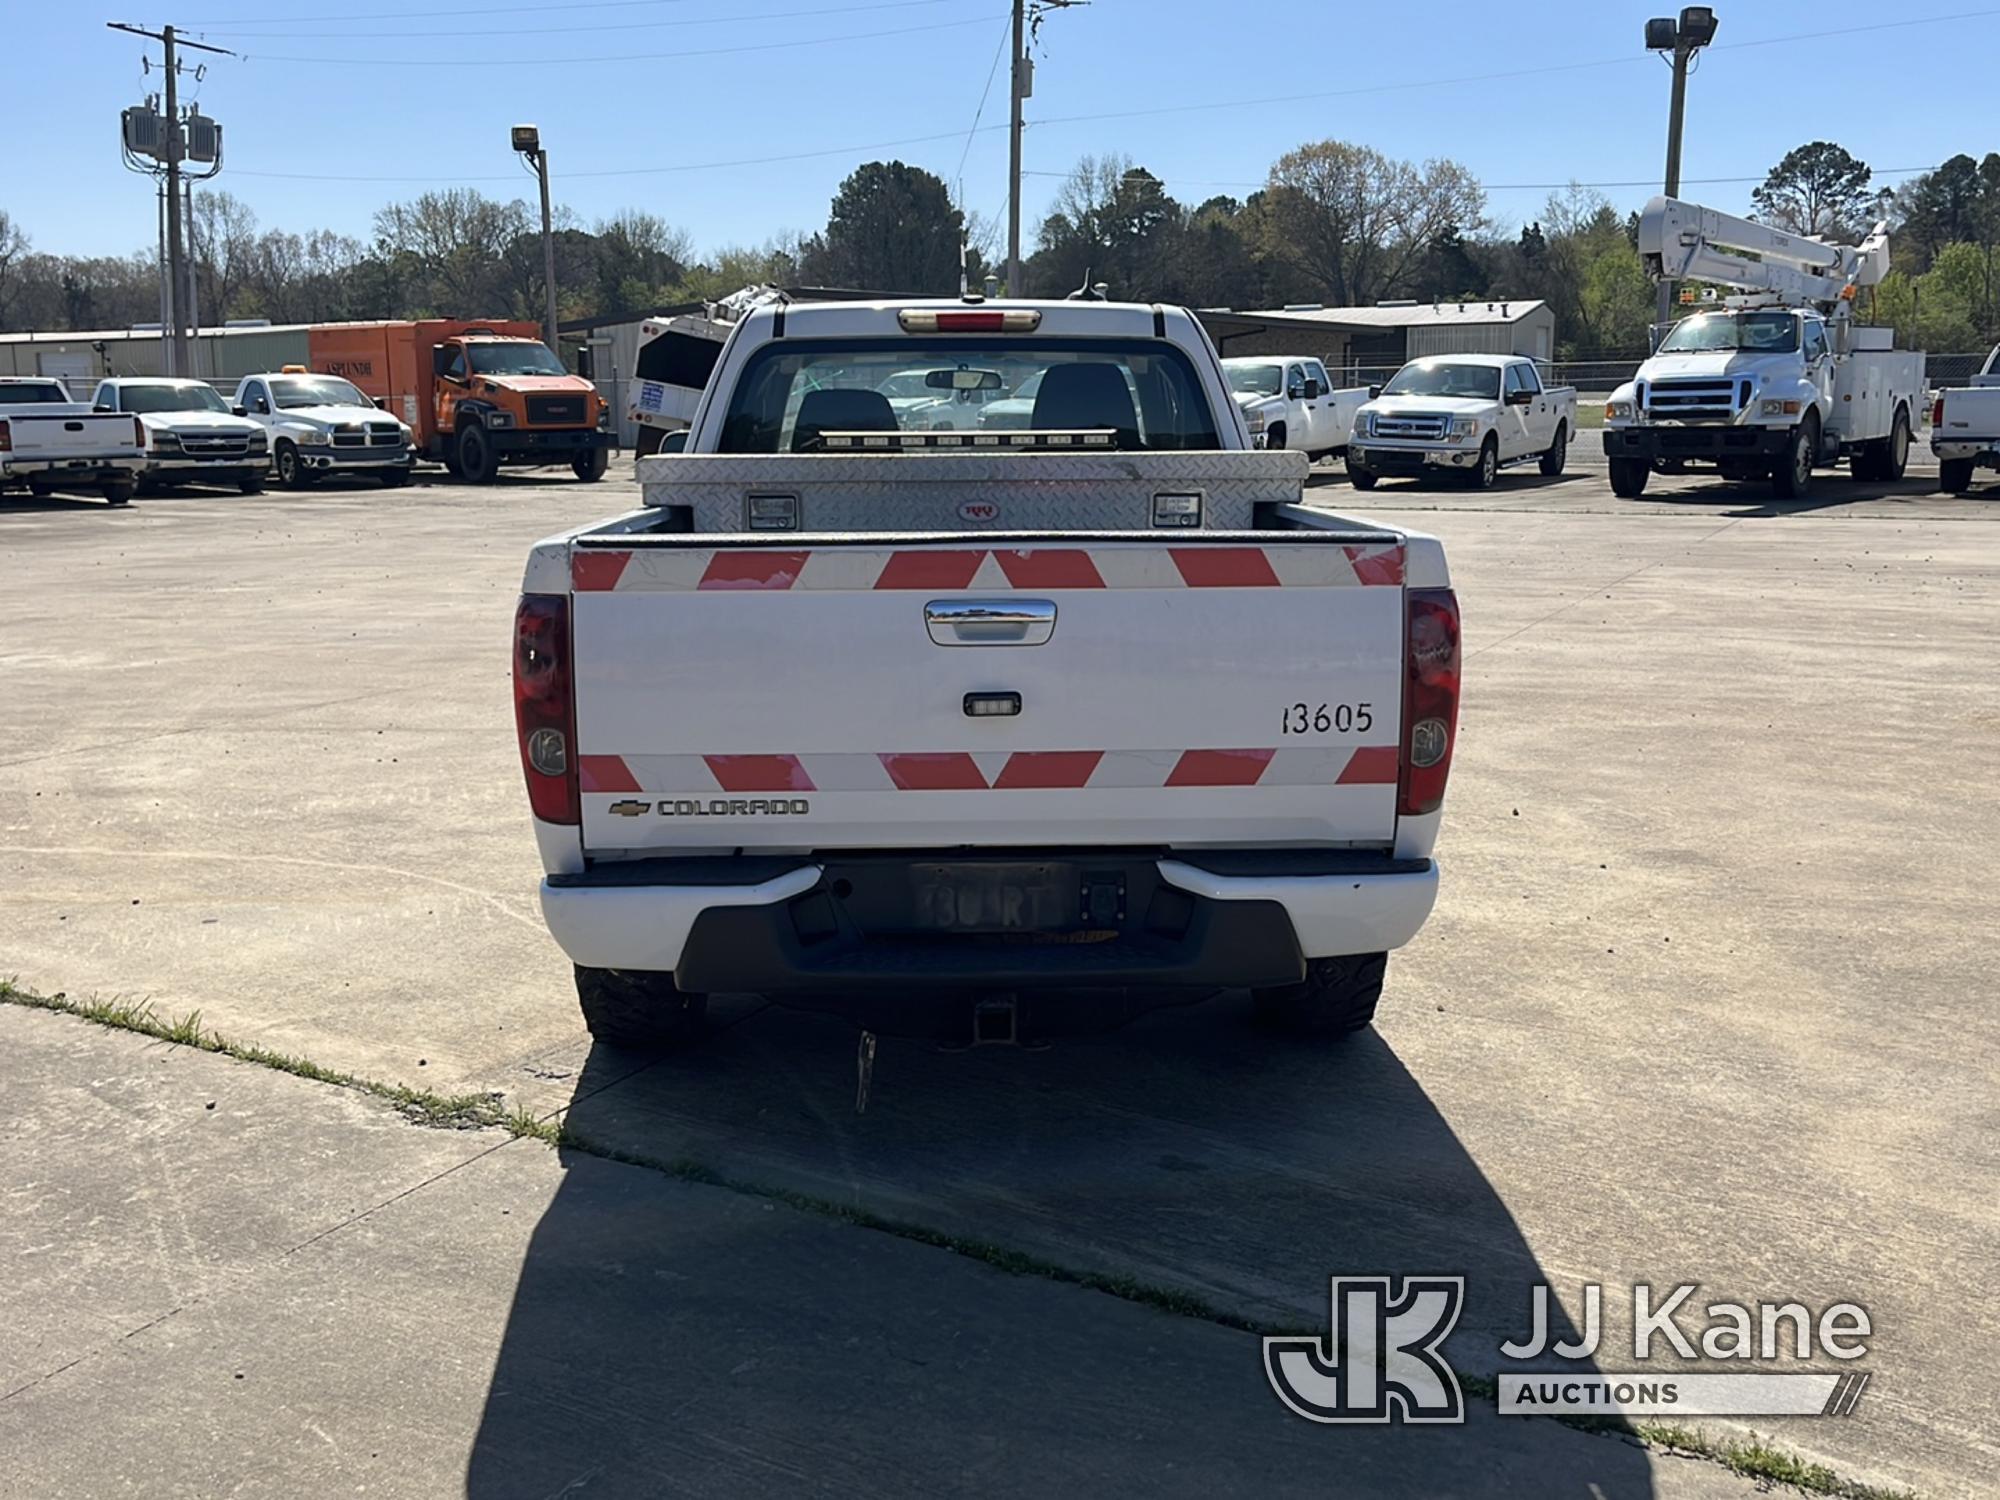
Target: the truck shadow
pixel 671 1336
pixel 1754 500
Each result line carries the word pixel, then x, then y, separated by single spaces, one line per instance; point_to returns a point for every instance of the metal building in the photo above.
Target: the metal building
pixel 82 358
pixel 1384 336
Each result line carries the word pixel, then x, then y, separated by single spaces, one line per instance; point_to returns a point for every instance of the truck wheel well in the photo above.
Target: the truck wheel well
pixel 1274 435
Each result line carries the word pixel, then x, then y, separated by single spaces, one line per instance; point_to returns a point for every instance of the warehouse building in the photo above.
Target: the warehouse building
pixel 1383 337
pixel 80 359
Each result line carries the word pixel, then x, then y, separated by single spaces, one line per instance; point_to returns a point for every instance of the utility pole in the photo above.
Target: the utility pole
pixel 172 150
pixel 528 141
pixel 1018 89
pixel 1023 85
pixel 1694 30
pixel 180 360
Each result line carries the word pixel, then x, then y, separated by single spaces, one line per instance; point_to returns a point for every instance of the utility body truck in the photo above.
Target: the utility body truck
pixel 1289 402
pixel 1471 415
pixel 474 395
pixel 981 734
pixel 49 442
pixel 1779 379
pixel 1965 428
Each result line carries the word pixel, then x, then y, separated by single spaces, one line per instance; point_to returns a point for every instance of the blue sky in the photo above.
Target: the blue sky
pixel 1524 95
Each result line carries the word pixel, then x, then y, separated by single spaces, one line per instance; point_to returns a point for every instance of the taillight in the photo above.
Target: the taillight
pixel 6 438
pixel 1937 412
pixel 138 432
pixel 544 711
pixel 1430 698
pixel 988 320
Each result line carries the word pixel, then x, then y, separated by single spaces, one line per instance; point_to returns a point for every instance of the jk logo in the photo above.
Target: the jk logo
pixel 1380 1361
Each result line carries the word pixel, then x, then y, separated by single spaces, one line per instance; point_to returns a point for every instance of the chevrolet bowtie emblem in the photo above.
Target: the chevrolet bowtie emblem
pixel 631 809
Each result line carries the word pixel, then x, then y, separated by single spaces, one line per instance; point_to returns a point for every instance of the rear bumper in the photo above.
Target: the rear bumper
pixel 531 443
pixel 1712 442
pixel 94 469
pixel 1197 921
pixel 1984 452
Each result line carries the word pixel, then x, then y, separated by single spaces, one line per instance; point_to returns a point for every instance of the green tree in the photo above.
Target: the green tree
pixel 1115 223
pixel 893 228
pixel 1818 189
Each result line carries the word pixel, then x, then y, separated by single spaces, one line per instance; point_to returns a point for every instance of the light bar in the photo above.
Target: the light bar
pixel 905 442
pixel 932 320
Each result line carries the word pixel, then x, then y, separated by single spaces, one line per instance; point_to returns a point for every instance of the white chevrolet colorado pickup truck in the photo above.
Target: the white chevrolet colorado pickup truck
pixel 1469 414
pixel 981 734
pixel 1291 403
pixel 1965 427
pixel 49 442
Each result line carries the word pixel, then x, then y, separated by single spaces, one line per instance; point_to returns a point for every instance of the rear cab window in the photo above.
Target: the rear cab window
pixel 1143 391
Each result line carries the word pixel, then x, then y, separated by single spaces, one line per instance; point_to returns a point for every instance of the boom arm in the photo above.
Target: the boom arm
pixel 1685 242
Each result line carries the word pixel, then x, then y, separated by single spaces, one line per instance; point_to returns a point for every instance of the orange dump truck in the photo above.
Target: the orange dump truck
pixel 477 395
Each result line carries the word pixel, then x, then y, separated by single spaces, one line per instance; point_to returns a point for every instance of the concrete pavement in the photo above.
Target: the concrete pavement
pixel 1701 1000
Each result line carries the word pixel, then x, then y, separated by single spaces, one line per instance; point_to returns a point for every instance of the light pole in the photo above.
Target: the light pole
pixel 1694 30
pixel 528 141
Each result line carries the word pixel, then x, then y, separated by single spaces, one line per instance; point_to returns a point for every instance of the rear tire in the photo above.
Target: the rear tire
pixel 478 459
pixel 1791 475
pixel 119 491
pixel 41 489
pixel 1629 476
pixel 1557 454
pixel 1955 475
pixel 590 467
pixel 628 1008
pixel 1337 996
pixel 251 484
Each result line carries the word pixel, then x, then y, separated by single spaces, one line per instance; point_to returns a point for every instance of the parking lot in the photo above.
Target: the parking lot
pixel 1700 1003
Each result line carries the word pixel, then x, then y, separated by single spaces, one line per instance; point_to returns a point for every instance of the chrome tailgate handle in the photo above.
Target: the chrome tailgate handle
pixel 990 622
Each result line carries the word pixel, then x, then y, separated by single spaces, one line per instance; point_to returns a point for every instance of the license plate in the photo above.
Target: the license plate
pixel 994 898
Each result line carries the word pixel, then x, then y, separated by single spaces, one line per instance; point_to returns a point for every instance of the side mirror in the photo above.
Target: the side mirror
pixel 1374 393
pixel 675 442
pixel 239 411
pixel 440 359
pixel 1520 398
pixel 586 362
pixel 1313 392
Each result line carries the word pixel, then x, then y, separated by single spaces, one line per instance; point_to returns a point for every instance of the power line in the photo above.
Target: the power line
pixel 1513 187
pixel 629 57
pixel 566 29
pixel 991 73
pixel 1624 59
pixel 476 11
pixel 696 166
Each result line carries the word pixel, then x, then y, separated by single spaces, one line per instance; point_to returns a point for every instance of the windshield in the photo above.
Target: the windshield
pixel 1144 391
pixel 1254 380
pixel 169 398
pixel 1758 332
pixel 1432 378
pixel 320 390
pixel 514 359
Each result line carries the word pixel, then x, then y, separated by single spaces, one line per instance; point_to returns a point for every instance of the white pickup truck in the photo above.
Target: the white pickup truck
pixel 191 436
pixel 981 734
pixel 1468 414
pixel 322 425
pixel 1290 402
pixel 49 442
pixel 1965 427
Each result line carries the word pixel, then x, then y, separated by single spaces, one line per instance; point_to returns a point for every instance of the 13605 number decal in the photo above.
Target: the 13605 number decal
pixel 1328 718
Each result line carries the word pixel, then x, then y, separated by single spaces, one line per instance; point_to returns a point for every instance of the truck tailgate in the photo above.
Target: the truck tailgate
pixel 55 434
pixel 1217 688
